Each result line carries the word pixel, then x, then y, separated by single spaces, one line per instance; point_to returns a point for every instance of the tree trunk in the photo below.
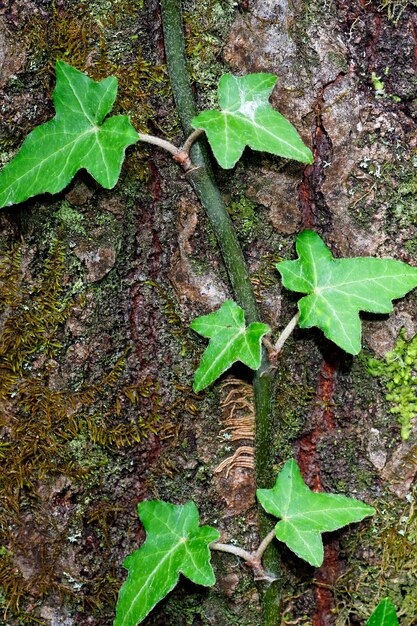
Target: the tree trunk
pixel 98 288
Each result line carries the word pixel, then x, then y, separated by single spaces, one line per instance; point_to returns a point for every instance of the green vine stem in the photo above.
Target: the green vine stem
pixel 202 179
pixel 201 176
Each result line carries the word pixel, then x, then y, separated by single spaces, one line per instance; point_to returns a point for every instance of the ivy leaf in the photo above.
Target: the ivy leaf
pixel 339 288
pixel 384 614
pixel 306 514
pixel 247 119
pixel 230 341
pixel 75 138
pixel 175 543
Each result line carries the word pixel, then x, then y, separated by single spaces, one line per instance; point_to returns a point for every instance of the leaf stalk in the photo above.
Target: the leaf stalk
pixel 181 155
pixel 252 559
pixel 161 143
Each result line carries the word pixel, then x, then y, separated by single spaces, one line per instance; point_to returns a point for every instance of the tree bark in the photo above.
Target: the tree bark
pixel 98 288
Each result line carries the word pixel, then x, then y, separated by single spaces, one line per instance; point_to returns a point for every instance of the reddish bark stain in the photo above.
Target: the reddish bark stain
pixel 325 579
pixel 372 44
pixel 323 422
pixel 305 198
pixel 323 419
pixel 313 207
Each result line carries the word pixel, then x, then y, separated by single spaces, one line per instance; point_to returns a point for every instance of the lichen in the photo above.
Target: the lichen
pixel 398 375
pixel 206 23
pixel 70 219
pixel 387 188
pixel 242 210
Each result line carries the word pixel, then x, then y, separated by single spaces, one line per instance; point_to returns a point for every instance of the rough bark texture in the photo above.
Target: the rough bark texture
pixel 98 287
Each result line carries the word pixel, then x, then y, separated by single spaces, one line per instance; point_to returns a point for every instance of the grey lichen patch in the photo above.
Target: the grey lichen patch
pixel 93 235
pixel 98 263
pixel 12 56
pixel 384 188
pixel 376 449
pixel 103 8
pixel 206 24
pixel 192 280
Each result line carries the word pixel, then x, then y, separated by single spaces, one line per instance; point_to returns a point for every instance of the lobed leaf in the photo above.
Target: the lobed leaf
pixel 248 119
pixel 75 138
pixel 306 514
pixel 175 543
pixel 230 341
pixel 339 288
pixel 384 614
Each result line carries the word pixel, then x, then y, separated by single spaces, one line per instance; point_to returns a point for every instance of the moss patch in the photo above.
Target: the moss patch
pixel 386 565
pixel 53 434
pixel 396 8
pixel 398 374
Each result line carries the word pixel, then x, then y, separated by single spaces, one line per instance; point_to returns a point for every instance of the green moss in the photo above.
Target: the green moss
pixel 83 35
pixel 249 219
pixel 387 565
pixel 211 607
pixel 293 399
pixel 307 15
pixel 70 220
pixel 51 429
pixel 395 8
pixel 244 217
pixel 178 328
pixel 398 374
pixel 338 60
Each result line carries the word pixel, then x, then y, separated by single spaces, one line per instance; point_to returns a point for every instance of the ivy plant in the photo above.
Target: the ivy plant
pixel 81 136
pixel 246 118
pixel 384 614
pixel 176 543
pixel 75 138
pixel 305 514
pixel 230 341
pixel 339 288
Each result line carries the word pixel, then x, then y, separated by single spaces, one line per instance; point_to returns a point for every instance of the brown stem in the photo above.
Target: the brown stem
pixel 252 559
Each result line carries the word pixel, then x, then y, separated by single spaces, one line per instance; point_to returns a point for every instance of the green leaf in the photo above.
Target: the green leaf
pixel 384 615
pixel 230 341
pixel 175 543
pixel 339 288
pixel 75 138
pixel 247 119
pixel 305 514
